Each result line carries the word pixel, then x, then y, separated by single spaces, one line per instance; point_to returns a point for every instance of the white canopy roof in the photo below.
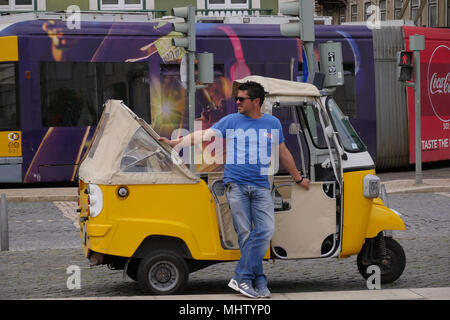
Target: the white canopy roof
pixel 280 91
pixel 285 90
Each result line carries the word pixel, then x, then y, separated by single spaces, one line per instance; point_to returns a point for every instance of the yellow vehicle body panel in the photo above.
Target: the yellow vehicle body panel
pixel 181 211
pixel 363 217
pixel 356 212
pixel 10 143
pixel 382 218
pixel 10 50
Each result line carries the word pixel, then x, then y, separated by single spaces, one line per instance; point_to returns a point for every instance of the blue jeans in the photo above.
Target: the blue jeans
pixel 253 218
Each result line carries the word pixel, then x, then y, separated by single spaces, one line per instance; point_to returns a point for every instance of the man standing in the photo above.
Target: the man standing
pixel 250 135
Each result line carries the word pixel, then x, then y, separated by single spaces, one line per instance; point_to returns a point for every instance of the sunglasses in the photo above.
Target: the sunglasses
pixel 241 99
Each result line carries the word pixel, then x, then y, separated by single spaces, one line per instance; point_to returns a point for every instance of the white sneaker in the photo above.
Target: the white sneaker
pixel 233 284
pixel 263 291
pixel 246 288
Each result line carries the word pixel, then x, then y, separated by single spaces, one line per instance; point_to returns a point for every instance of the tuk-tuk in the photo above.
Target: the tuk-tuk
pixel 144 211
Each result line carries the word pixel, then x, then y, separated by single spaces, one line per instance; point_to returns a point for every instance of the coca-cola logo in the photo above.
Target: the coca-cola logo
pixel 440 84
pixel 438 77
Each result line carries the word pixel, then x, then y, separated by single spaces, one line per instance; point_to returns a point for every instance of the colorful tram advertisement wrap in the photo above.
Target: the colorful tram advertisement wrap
pixel 54 82
pixel 435 95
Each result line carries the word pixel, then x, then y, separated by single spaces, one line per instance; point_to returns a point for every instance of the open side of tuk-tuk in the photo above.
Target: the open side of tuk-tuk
pixel 144 211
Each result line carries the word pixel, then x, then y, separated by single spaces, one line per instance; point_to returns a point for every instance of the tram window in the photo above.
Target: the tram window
pixel 125 81
pixel 173 99
pixel 73 93
pixel 68 95
pixel 9 107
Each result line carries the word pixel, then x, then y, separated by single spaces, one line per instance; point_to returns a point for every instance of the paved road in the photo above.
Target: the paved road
pixel 44 243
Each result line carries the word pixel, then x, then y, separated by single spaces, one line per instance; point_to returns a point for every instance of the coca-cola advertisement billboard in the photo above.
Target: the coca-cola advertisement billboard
pixel 435 95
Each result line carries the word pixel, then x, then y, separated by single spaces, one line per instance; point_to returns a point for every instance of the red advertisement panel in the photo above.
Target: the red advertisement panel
pixel 435 95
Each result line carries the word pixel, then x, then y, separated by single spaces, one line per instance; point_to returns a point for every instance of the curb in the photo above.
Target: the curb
pixel 41 198
pixel 430 189
pixel 410 186
pixel 440 293
pixel 41 194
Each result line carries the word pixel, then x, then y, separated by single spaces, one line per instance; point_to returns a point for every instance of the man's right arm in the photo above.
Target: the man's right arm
pixel 188 140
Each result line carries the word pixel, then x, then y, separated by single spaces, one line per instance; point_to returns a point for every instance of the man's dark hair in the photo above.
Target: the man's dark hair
pixel 254 90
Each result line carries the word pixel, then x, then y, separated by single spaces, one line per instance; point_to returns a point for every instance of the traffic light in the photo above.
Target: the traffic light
pixel 331 65
pixel 187 28
pixel 205 67
pixel 304 29
pixel 404 65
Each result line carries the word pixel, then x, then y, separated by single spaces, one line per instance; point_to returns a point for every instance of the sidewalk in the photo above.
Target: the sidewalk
pixel 434 180
pixel 383 294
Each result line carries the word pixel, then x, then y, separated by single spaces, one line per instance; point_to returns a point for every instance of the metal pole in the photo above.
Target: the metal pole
pixel 191 98
pixel 4 237
pixel 311 60
pixel 417 44
pixel 418 116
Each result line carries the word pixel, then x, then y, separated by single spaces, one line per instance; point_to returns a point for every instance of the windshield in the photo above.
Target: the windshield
pixel 143 154
pixel 349 138
pixel 312 119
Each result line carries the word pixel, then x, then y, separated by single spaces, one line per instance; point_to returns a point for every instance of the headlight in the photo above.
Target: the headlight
pixel 95 200
pixel 371 186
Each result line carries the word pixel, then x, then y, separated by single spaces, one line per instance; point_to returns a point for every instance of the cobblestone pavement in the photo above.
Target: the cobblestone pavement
pixel 44 242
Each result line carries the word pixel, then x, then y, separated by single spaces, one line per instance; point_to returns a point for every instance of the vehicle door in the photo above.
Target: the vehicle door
pixel 308 222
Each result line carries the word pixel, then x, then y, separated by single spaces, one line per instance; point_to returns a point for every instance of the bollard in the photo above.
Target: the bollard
pixel 4 236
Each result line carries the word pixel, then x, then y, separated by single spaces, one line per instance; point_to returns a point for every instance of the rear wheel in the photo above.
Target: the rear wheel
pixel 162 272
pixel 391 265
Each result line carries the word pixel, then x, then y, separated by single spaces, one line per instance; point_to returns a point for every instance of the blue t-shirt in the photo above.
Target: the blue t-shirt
pixel 249 147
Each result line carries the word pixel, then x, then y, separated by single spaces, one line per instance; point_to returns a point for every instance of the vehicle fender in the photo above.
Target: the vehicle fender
pixel 382 218
pixel 158 242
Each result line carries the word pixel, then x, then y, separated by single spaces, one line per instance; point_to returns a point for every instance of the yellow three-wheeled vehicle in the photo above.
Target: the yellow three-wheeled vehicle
pixel 144 211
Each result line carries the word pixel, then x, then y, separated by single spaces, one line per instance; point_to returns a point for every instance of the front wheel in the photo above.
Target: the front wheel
pixel 391 265
pixel 162 273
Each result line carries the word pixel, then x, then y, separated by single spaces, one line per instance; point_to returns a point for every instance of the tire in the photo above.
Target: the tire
pixel 396 262
pixel 162 272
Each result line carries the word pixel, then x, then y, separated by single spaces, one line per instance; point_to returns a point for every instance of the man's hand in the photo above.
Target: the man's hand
pixel 171 143
pixel 305 183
